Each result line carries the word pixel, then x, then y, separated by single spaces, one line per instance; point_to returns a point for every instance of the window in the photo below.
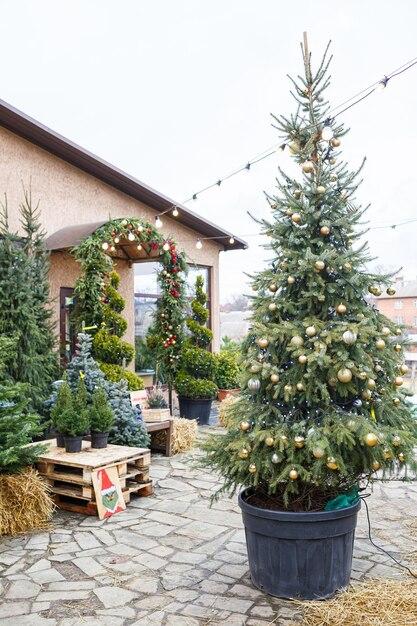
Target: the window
pixel 399 319
pixel 398 304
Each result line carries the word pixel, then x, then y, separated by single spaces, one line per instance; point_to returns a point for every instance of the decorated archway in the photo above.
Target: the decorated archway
pixel 131 240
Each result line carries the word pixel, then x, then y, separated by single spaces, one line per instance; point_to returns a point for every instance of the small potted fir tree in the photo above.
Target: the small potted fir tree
pixel 321 409
pixel 63 402
pixel 194 382
pixel 101 419
pixel 226 374
pixel 73 422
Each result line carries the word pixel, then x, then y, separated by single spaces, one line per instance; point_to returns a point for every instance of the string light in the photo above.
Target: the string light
pixel 158 222
pixel 199 244
pixel 175 212
pixel 139 247
pixel 232 240
pixel 131 237
pixel 105 245
pixel 116 239
pixel 165 246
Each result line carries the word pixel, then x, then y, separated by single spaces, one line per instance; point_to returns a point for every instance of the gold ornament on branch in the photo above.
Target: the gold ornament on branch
pixel 319 266
pixel 380 343
pixel 324 231
pixel 321 189
pixel 297 341
pixel 299 441
pixel 296 218
pixel 403 368
pixel 376 466
pixel 289 212
pixel 366 394
pixel 401 457
pixel 391 291
pixel 335 142
pixel 244 453
pixel 347 266
pixel 362 375
pixel 273 287
pixel 341 309
pixel 308 167
pixel 263 342
pixel 344 375
pixel 269 441
pixel 252 468
pixel 396 441
pixel 396 401
pixel 349 337
pixel 397 347
pixel 331 463
pixel 274 378
pixel 318 453
pixel 385 330
pixel 255 368
pixel 284 438
pixel 387 454
pixel 371 383
pixel 311 331
pixel 244 425
pixel 300 387
pixel 398 381
pixel 272 306
pixel 290 280
pixel 302 359
pixel 371 440
pixel 293 474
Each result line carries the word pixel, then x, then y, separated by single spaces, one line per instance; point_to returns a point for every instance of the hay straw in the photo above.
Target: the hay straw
pixel 25 503
pixel 224 411
pixel 371 603
pixel 184 433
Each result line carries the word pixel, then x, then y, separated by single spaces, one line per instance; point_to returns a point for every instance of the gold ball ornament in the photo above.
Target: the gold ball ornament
pixel 380 343
pixel 319 265
pixel 290 280
pixel 349 337
pixel 297 341
pixel 332 161
pixel 272 306
pixel 302 359
pixel 331 463
pixel 252 468
pixel 296 218
pixel 391 291
pixel 398 381
pixel 366 394
pixel 244 425
pixel 396 441
pixel 321 190
pixel 371 440
pixel 362 375
pixel 299 441
pixel 341 309
pixel 269 441
pixel 401 457
pixel 376 465
pixel 397 347
pixel 308 167
pixel 311 331
pixel 318 453
pixel 255 368
pixel 263 342
pixel 300 387
pixel 324 231
pixel 273 287
pixel 398 331
pixel 274 378
pixel 371 383
pixel 289 212
pixel 387 454
pixel 396 401
pixel 344 375
pixel 294 147
pixel 293 474
pixel 385 331
pixel 347 266
pixel 297 193
pixel 335 142
pixel 244 453
pixel 403 368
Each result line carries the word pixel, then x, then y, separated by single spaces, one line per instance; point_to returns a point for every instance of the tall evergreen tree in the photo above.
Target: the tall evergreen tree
pixel 24 305
pixel 322 406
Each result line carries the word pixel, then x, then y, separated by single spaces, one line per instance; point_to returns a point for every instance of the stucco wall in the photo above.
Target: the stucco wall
pixel 70 196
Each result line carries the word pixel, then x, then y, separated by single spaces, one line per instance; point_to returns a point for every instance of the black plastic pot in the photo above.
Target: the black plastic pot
pixel 99 440
pixel 299 555
pixel 60 440
pixel 73 444
pixel 195 409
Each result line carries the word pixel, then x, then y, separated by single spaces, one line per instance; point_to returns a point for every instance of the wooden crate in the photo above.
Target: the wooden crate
pixel 156 415
pixel 70 475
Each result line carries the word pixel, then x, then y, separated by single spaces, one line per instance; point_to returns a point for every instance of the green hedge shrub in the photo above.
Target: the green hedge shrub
pixel 195 388
pixel 111 349
pixel 226 370
pixel 116 373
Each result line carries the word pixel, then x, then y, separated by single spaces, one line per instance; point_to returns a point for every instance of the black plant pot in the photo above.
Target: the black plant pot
pixel 99 440
pixel 299 555
pixel 60 440
pixel 195 409
pixel 73 444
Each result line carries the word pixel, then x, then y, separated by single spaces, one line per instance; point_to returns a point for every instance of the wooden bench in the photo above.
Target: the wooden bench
pixel 157 427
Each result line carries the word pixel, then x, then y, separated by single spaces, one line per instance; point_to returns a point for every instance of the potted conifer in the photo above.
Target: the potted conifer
pixel 73 422
pixel 321 410
pixel 194 382
pixel 101 419
pixel 63 402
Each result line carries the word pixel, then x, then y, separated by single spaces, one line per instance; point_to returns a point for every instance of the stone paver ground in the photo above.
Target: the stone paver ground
pixel 170 560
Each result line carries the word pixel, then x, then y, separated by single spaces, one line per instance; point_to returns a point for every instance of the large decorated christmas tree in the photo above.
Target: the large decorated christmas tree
pixel 322 405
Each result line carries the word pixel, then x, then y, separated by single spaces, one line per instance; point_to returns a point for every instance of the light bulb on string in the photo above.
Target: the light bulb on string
pixel 158 222
pixel 327 133
pixel 175 212
pixel 382 84
pixel 232 240
pixel 139 247
pixel 199 244
pixel 131 237
pixel 105 245
pixel 165 246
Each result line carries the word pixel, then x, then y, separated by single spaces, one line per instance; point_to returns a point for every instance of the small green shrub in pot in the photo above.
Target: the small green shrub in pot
pixel 63 403
pixel 101 419
pixel 227 371
pixel 195 388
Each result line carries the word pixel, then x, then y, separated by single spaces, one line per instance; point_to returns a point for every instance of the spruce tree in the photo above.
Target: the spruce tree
pixel 24 312
pixel 18 425
pixel 322 405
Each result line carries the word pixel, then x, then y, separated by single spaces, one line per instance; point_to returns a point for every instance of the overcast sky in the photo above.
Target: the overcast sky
pixel 179 92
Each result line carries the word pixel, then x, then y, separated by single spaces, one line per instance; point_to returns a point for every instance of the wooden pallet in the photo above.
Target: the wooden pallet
pixel 70 475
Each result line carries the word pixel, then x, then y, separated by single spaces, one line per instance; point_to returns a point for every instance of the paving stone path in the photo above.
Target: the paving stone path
pixel 170 560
